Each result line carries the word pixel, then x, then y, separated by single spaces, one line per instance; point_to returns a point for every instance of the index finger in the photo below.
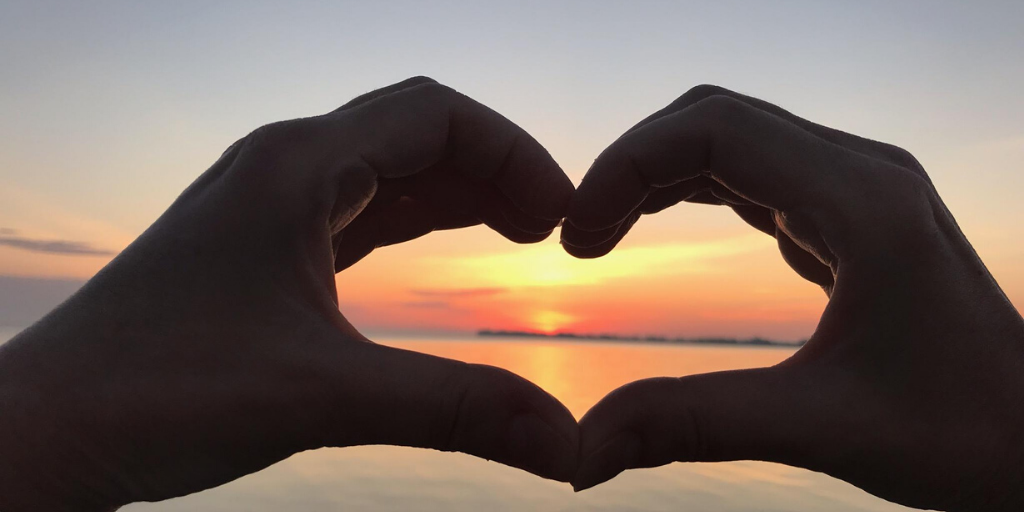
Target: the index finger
pixel 758 156
pixel 428 124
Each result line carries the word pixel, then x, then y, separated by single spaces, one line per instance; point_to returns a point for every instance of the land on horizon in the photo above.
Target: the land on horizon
pixel 638 338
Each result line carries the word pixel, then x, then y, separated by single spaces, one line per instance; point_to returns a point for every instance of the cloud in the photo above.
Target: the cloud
pixel 429 304
pixel 23 300
pixel 10 238
pixel 454 293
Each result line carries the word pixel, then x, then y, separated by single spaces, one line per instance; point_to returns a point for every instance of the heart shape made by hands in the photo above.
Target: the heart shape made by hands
pixel 213 346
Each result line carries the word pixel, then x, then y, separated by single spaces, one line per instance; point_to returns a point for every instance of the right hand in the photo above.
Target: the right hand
pixel 912 385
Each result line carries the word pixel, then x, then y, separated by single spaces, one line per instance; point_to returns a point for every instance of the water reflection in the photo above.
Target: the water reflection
pixel 579 374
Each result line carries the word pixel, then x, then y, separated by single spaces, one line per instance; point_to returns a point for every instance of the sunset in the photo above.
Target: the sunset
pixel 95 160
pixel 669 288
pixel 881 144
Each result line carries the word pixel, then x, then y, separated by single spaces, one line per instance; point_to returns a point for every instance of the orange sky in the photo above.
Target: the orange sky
pixel 733 284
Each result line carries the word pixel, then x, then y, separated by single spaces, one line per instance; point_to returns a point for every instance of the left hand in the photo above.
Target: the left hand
pixel 213 347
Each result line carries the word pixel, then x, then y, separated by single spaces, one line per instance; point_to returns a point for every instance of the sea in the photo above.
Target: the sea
pixel 579 373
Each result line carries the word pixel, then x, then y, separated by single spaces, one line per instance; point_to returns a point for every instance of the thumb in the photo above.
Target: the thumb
pixel 761 414
pixel 399 397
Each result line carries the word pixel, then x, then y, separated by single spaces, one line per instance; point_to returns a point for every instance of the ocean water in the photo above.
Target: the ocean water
pixel 404 479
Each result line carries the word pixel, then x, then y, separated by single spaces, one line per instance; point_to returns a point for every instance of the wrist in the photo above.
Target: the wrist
pixel 38 470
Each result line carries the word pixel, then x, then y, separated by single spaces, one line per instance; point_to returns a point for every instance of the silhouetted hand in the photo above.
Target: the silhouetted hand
pixel 912 386
pixel 213 347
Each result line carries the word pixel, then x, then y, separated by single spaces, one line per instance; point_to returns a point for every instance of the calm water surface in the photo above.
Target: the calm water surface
pixel 579 374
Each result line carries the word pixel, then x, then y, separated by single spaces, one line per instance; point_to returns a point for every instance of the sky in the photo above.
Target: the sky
pixel 109 109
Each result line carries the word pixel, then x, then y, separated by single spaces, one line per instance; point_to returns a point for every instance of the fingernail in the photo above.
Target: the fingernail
pixel 540 449
pixel 622 452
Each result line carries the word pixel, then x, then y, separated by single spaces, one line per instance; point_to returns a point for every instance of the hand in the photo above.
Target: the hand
pixel 912 385
pixel 213 347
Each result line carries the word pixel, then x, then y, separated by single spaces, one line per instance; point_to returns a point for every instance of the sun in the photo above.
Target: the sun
pixel 549 322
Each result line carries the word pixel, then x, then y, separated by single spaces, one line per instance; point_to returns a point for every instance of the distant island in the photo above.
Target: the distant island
pixel 646 339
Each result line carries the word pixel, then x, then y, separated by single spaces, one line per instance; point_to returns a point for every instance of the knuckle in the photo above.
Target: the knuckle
pixel 722 116
pixel 632 397
pixel 474 392
pixel 433 91
pixel 908 188
pixel 501 385
pixel 673 433
pixel 281 164
pixel 701 92
pixel 450 425
pixel 903 158
pixel 420 80
pixel 904 210
pixel 899 155
pixel 722 107
pixel 693 442
pixel 429 100
pixel 274 137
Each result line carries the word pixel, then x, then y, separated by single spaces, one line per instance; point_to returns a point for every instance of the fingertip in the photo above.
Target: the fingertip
pixel 621 452
pixel 510 420
pixel 611 190
pixel 585 245
pixel 527 223
pixel 586 253
pixel 542 448
pixel 558 434
pixel 581 239
pixel 534 182
pixel 517 235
